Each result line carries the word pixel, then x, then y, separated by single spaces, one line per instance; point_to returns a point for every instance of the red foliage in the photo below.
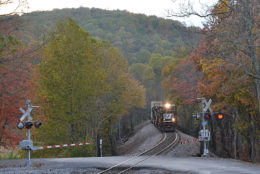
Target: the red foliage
pixel 13 90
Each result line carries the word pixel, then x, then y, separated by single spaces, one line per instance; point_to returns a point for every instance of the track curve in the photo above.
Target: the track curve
pixel 168 141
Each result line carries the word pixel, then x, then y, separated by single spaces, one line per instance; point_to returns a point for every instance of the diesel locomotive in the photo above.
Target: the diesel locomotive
pixel 164 115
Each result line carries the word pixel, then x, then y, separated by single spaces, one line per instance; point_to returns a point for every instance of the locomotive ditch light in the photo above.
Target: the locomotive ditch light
pixel 173 119
pixel 37 124
pixel 167 105
pixel 28 125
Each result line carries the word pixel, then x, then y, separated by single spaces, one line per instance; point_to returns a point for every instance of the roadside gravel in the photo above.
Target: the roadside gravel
pixel 185 150
pixel 148 135
pixel 143 139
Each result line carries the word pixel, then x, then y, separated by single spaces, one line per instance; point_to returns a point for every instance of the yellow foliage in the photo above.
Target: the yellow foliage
pixel 222 8
pixel 209 65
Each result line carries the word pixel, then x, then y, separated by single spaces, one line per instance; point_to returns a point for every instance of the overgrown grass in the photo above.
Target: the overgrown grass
pixel 9 153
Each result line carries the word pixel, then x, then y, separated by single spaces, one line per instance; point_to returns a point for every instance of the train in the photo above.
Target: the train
pixel 164 116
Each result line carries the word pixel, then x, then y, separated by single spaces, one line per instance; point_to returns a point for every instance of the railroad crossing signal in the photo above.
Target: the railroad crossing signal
pixel 28 144
pixel 207 116
pixel 204 135
pixel 27 113
pixel 220 116
pixel 37 124
pixel 204 123
pixel 28 124
pixel 207 105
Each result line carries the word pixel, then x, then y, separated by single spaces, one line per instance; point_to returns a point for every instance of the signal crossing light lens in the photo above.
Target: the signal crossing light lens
pixel 220 116
pixel 20 125
pixel 207 116
pixel 28 125
pixel 37 124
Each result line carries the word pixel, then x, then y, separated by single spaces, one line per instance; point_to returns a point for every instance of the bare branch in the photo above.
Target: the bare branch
pixel 20 4
pixel 187 10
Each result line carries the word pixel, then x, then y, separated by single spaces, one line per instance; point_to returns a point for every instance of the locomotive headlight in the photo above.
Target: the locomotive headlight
pixel 173 119
pixel 167 105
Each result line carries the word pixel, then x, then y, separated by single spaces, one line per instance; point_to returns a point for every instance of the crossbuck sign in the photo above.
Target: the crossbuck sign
pixel 207 105
pixel 27 113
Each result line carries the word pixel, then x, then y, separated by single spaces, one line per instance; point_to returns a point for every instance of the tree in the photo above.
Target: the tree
pixel 228 59
pixel 14 86
pixel 85 86
pixel 146 76
pixel 70 74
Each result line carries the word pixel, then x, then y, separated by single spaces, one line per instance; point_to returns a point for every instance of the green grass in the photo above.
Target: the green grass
pixel 9 153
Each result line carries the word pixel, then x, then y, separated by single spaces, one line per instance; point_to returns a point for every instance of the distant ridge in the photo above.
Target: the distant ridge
pixel 133 34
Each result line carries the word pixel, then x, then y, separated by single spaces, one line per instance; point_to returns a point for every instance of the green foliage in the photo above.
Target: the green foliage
pixel 84 83
pixel 136 35
pixel 140 38
pixel 143 73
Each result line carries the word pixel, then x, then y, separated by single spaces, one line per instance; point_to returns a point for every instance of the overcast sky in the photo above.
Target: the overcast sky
pixel 148 7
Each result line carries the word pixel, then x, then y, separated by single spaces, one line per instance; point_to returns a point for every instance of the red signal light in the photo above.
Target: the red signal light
pixel 220 116
pixel 37 124
pixel 207 116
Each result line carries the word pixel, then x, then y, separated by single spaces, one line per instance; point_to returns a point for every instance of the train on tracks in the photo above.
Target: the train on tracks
pixel 164 116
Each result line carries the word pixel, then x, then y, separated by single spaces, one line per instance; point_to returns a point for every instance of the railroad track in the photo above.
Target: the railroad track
pixel 168 141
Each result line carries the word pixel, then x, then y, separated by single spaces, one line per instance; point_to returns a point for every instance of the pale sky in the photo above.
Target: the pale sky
pixel 148 7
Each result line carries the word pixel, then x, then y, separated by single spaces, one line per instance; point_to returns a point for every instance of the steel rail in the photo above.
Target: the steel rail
pixel 175 141
pixel 163 140
pixel 110 168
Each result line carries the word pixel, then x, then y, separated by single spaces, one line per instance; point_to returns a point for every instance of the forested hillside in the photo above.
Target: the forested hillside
pixel 138 36
pixel 148 43
pixel 90 70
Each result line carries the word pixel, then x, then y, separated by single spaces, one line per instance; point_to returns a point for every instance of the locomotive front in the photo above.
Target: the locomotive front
pixel 168 121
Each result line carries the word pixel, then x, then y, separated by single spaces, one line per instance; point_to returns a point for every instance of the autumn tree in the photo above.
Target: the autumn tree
pixel 228 59
pixel 85 86
pixel 14 75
